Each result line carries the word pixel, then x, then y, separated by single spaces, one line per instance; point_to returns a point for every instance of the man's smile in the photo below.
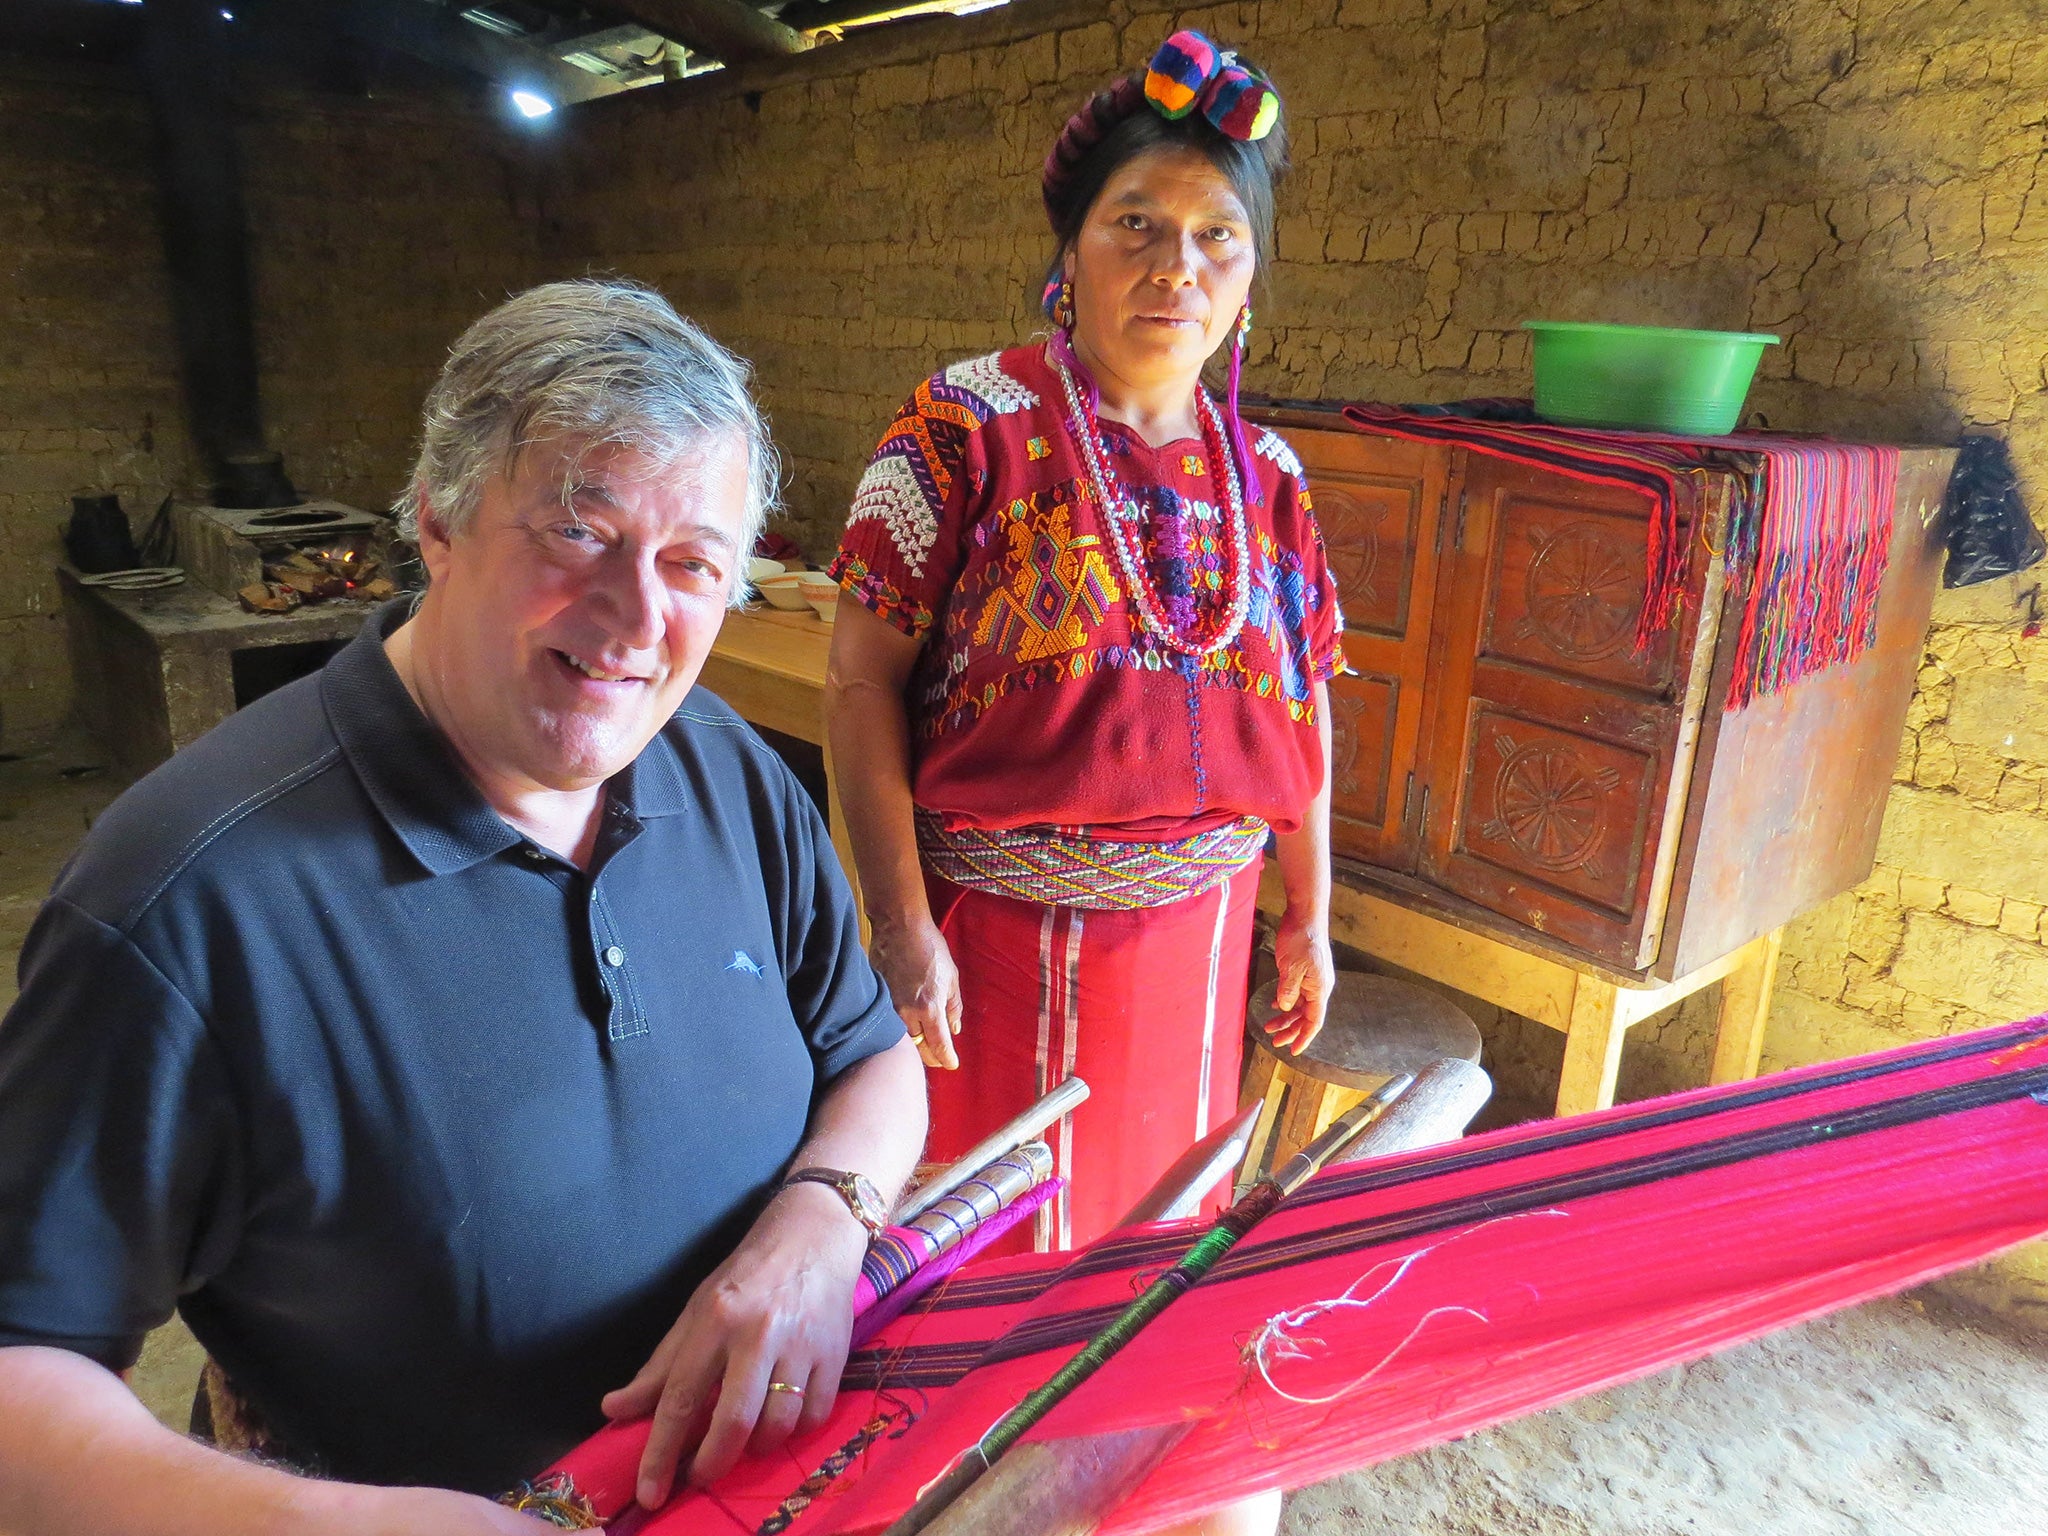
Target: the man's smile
pixel 592 670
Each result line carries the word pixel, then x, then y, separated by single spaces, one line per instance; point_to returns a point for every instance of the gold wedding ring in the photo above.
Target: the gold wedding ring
pixel 783 1386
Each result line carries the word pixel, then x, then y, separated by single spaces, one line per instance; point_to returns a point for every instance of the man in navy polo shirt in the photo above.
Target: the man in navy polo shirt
pixel 441 1033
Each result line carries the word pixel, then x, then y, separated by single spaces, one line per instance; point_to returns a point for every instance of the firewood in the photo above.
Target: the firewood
pixel 268 597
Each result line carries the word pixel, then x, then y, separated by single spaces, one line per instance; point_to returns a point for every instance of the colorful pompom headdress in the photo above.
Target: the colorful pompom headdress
pixel 1190 73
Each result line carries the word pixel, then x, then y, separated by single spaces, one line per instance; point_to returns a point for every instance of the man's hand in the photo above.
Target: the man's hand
pixel 1308 975
pixel 779 1310
pixel 924 983
pixel 358 1511
pixel 78 1453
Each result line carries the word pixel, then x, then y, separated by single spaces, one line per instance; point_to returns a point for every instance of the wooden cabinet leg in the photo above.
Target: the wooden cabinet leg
pixel 1592 1047
pixel 1745 1006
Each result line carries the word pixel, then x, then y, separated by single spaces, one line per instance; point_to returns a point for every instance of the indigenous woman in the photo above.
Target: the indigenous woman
pixel 1083 675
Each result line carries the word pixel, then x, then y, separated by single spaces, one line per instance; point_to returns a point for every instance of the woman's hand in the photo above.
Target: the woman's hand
pixel 1308 975
pixel 913 959
pixel 779 1310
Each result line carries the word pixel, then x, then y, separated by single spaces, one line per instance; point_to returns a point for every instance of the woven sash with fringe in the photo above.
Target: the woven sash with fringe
pixel 1060 868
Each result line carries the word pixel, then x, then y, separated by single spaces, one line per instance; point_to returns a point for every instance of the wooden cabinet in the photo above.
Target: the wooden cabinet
pixel 1505 752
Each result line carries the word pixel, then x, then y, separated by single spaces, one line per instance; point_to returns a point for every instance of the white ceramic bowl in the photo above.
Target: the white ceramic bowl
pixel 785 591
pixel 824 602
pixel 759 566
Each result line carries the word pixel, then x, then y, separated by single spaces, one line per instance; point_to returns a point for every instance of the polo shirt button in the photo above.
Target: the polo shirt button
pixel 535 854
pixel 614 956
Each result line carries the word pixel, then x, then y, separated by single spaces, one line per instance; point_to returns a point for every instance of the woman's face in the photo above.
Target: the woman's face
pixel 1160 267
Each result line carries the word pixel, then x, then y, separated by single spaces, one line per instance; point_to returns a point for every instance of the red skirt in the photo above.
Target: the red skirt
pixel 1147 1007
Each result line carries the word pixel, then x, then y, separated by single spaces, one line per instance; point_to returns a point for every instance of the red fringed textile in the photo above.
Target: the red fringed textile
pixel 1809 539
pixel 1814 561
pixel 1399 1303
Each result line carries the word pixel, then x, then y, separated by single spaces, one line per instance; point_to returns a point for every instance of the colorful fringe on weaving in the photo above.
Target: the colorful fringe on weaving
pixel 1809 536
pixel 555 1499
pixel 1812 566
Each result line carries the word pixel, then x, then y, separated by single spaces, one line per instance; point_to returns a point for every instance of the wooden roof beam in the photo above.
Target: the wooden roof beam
pixel 731 31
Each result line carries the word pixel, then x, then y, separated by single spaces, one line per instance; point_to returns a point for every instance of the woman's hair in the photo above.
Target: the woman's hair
pixel 1117 125
pixel 587 364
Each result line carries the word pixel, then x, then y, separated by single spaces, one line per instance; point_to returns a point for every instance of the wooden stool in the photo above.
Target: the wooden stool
pixel 1376 1028
pixel 1591 1005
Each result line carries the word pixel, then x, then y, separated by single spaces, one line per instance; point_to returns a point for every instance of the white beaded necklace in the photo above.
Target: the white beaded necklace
pixel 1126 518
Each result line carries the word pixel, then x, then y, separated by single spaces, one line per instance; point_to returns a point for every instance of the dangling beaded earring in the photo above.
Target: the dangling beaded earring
pixel 1233 423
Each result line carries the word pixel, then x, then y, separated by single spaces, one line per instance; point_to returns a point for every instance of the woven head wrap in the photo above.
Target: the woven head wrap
pixel 1188 74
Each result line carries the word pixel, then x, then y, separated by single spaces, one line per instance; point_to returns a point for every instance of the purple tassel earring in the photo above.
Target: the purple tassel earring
pixel 1234 422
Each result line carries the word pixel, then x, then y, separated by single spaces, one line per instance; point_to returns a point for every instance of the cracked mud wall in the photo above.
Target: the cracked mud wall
pixel 378 230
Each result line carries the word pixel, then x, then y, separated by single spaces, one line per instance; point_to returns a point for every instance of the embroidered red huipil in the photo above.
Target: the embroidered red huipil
pixel 1041 708
pixel 1039 699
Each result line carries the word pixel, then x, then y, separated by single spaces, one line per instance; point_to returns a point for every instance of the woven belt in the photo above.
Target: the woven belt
pixel 1058 868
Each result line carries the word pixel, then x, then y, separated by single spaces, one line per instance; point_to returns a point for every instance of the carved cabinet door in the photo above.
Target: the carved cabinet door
pixel 1379 502
pixel 1558 754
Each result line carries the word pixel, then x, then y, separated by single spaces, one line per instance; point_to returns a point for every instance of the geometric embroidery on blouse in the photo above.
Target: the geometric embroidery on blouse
pixel 907 483
pixel 999 392
pixel 1060 587
pixel 881 595
pixel 892 494
pixel 950 702
pixel 1271 445
pixel 1277 613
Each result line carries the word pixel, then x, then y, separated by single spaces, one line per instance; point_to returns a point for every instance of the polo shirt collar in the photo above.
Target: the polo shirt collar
pixel 402 762
pixel 418 786
pixel 652 784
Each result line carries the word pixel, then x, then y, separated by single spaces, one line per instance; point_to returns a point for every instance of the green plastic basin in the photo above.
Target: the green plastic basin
pixel 1648 377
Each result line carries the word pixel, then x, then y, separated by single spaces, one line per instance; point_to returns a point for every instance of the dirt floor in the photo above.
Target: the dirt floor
pixel 1903 1417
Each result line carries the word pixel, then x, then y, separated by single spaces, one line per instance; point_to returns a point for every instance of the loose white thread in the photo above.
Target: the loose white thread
pixel 1280 1339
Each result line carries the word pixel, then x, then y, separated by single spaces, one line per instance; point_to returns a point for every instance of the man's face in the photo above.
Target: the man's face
pixel 574 612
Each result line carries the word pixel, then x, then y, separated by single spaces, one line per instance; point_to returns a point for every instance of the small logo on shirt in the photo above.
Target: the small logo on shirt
pixel 744 963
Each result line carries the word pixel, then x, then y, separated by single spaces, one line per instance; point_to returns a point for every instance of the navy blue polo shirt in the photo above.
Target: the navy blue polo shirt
pixel 428 1134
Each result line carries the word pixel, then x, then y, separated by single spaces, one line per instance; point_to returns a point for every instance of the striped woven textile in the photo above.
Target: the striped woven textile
pixel 1058 867
pixel 1809 538
pixel 1403 1301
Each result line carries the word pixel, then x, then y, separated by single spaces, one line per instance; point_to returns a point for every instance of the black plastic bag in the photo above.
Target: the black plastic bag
pixel 97 537
pixel 1990 532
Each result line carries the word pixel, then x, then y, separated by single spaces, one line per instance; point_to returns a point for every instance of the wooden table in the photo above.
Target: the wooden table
pixel 770 667
pixel 1591 1006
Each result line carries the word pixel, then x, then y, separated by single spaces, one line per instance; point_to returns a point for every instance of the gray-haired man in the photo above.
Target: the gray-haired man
pixel 438 1034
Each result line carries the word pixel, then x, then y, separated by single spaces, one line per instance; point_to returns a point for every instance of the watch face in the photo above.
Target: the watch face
pixel 870 1199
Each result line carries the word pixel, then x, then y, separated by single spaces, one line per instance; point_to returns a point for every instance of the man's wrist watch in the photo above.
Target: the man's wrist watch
pixel 861 1197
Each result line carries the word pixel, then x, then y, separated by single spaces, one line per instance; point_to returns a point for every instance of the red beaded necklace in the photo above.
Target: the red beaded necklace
pixel 1126 525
